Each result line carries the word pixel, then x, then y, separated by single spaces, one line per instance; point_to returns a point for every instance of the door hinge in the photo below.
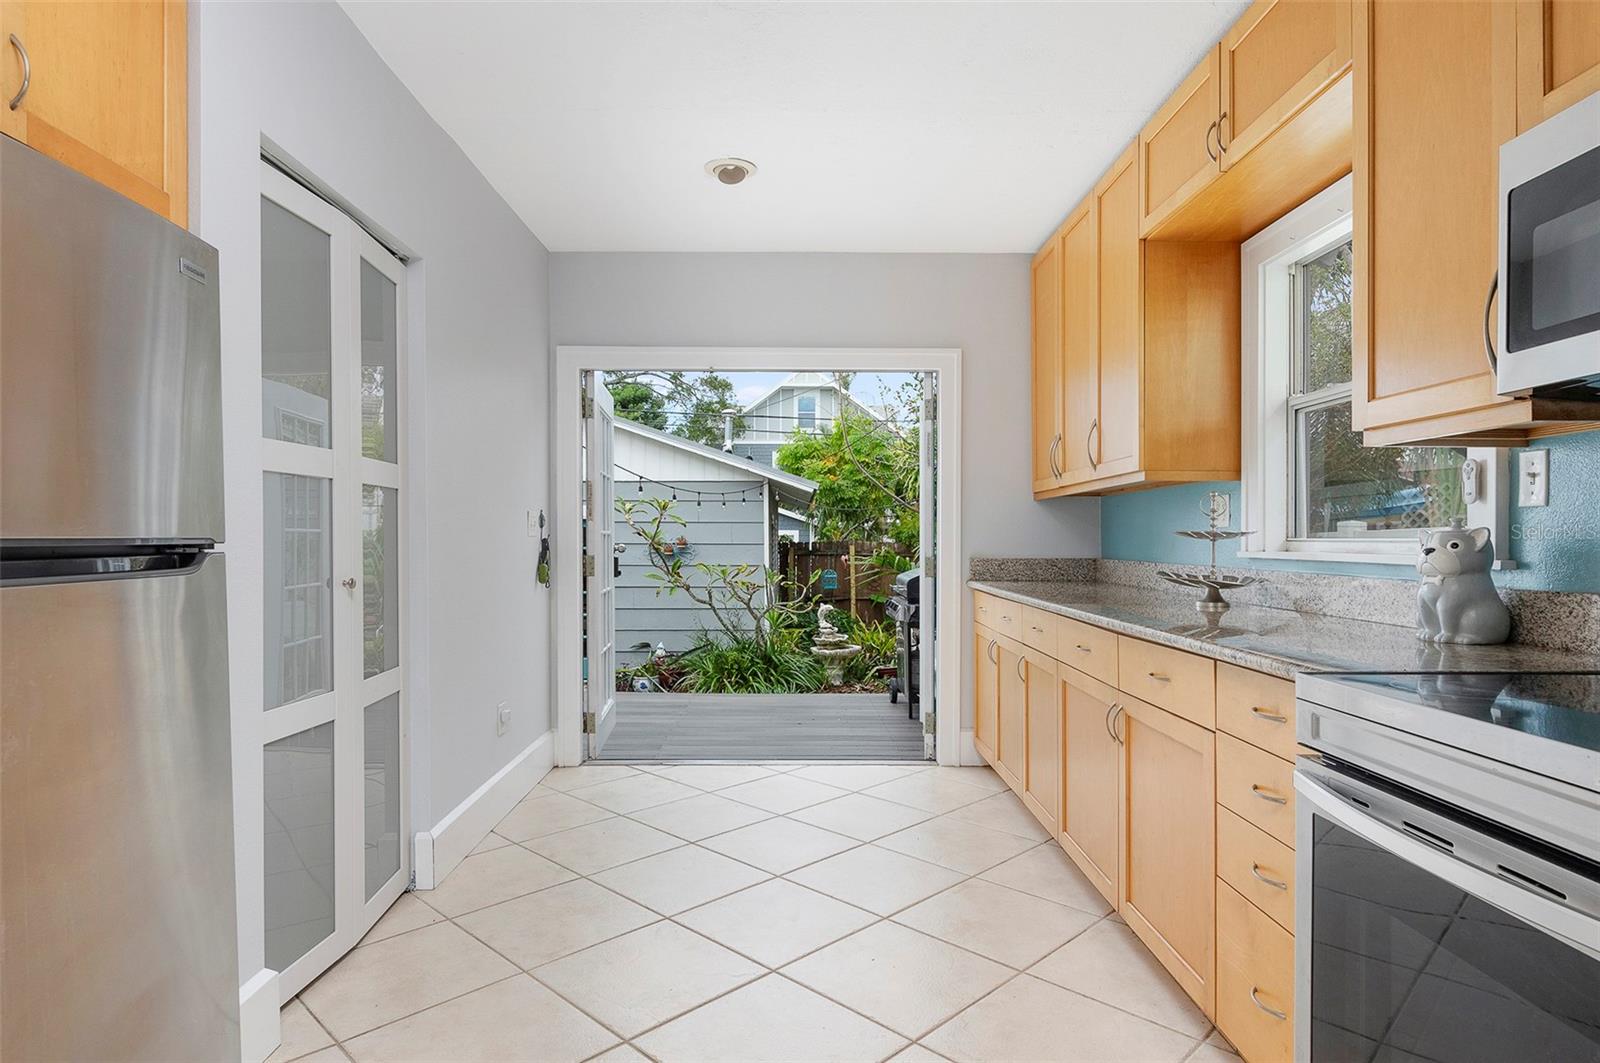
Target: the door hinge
pixel 588 565
pixel 588 494
pixel 588 406
pixel 588 723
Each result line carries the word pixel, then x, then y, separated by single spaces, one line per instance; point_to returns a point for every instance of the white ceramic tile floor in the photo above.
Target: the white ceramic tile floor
pixel 636 917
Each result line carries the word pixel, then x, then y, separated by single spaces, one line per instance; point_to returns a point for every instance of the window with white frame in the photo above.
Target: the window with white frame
pixel 1311 489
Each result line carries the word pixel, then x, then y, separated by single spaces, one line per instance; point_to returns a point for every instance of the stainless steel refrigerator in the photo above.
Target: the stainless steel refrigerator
pixel 116 811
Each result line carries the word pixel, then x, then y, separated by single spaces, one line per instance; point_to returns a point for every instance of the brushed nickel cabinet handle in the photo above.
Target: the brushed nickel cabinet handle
pixel 989 653
pixel 1256 789
pixel 1212 128
pixel 1266 714
pixel 1021 662
pixel 1488 302
pixel 1111 708
pixel 1055 445
pixel 1159 678
pixel 1222 147
pixel 1088 443
pixel 1255 871
pixel 1116 732
pixel 1081 648
pixel 27 72
pixel 1274 1012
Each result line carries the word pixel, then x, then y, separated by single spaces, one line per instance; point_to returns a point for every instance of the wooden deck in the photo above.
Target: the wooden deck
pixel 652 727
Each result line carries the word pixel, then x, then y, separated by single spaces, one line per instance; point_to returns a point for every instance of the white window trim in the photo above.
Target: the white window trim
pixel 1267 486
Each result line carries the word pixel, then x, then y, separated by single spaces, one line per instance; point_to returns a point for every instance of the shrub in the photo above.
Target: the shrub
pixel 720 664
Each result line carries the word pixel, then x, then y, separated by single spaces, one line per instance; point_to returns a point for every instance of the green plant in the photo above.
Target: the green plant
pixel 877 649
pixel 722 664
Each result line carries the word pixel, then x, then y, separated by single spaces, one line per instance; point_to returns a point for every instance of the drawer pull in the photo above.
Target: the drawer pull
pixel 1269 1009
pixel 1255 870
pixel 1265 795
pixel 1036 627
pixel 1159 678
pixel 1081 648
pixel 1266 714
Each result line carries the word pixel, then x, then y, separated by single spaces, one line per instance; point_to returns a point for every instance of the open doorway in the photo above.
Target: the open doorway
pixel 726 605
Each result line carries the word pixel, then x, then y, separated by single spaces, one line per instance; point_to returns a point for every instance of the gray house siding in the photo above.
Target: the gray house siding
pixel 719 534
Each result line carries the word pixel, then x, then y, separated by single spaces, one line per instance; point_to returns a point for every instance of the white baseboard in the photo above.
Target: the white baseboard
pixel 436 853
pixel 969 750
pixel 260 1032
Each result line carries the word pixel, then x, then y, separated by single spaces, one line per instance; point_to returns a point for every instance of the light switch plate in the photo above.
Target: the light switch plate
pixel 1533 478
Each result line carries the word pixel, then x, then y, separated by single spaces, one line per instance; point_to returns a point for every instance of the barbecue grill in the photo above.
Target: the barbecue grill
pixel 904 608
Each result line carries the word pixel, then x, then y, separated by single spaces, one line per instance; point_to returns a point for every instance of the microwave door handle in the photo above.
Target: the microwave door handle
pixel 1488 328
pixel 1493 887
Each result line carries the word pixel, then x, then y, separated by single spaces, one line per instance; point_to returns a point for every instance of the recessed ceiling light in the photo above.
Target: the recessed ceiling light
pixel 730 171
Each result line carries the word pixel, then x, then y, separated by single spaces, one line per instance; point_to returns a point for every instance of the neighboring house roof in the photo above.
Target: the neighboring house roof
pixel 803 381
pixel 796 490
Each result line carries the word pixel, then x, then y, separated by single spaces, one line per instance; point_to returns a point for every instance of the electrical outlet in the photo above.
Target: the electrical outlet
pixel 1533 478
pixel 502 718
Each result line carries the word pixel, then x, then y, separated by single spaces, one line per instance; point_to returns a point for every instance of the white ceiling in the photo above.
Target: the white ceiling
pixel 965 127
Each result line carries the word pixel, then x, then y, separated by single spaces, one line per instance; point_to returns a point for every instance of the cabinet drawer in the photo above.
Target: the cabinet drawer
pixel 998 615
pixel 1091 650
pixel 1257 708
pixel 1255 973
pixel 1256 785
pixel 1039 630
pixel 1179 682
pixel 1256 864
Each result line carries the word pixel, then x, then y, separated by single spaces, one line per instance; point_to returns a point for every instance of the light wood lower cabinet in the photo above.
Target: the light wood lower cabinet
pixel 1091 792
pixel 986 692
pixel 1013 715
pixel 1169 841
pixel 1255 980
pixel 1042 783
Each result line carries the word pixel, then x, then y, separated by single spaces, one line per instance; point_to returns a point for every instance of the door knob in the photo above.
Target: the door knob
pixel 348 583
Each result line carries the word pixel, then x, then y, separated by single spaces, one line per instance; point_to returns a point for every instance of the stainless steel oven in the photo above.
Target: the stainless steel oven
pixel 1549 279
pixel 1448 869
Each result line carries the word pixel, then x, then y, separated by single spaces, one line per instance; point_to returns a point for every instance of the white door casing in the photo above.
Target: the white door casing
pixel 299 478
pixel 600 617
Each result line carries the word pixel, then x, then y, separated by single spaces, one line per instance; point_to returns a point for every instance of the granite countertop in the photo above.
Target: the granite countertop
pixel 1280 642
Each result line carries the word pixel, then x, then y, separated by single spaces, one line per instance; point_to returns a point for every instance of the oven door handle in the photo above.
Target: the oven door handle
pixel 1492 887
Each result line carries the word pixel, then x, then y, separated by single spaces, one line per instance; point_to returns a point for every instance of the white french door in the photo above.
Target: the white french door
pixel 334 742
pixel 600 624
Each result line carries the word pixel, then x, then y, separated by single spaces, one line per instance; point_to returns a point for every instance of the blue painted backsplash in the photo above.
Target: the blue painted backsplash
pixel 1556 547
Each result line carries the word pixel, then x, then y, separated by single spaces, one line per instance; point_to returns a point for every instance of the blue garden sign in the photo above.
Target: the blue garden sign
pixel 830 580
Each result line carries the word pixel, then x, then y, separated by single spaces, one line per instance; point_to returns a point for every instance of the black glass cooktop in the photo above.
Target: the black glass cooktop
pixel 1560 706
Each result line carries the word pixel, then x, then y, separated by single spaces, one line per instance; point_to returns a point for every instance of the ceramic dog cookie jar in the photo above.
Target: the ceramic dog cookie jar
pixel 1457 601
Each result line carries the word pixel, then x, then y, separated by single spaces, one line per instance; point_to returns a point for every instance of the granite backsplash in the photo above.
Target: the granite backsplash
pixel 1550 619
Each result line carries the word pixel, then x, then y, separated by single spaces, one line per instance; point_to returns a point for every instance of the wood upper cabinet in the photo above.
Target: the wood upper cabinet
pixel 1013 715
pixel 1168 840
pixel 1042 787
pixel 1047 365
pixel 1090 791
pixel 986 692
pixel 107 92
pixel 1177 148
pixel 1278 55
pixel 1119 322
pixel 1558 57
pixel 1080 363
pixel 1429 125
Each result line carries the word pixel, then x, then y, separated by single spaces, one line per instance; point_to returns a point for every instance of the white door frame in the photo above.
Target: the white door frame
pixel 566 531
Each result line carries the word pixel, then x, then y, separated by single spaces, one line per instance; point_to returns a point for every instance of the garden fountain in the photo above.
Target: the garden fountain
pixel 832 647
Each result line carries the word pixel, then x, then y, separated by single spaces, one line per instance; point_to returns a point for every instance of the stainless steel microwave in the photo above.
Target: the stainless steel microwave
pixel 1549 279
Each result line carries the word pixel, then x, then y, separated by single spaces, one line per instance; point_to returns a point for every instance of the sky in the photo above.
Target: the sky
pixel 866 387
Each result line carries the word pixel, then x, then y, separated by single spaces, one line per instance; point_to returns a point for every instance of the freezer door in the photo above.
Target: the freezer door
pixel 110 394
pixel 116 820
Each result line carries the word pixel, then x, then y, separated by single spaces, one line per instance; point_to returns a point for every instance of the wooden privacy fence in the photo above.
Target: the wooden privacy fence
pixel 857 583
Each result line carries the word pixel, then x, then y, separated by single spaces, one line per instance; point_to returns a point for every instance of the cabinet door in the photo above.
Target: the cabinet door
pixel 1429 124
pixel 1558 57
pixel 1168 841
pixel 1089 787
pixel 1042 789
pixel 1079 358
pixel 1013 714
pixel 986 692
pixel 1119 315
pixel 108 93
pixel 1177 147
pixel 1047 365
pixel 1277 57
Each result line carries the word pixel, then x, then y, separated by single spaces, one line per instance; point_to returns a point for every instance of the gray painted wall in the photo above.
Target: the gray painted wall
pixel 721 535
pixel 979 303
pixel 302 76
